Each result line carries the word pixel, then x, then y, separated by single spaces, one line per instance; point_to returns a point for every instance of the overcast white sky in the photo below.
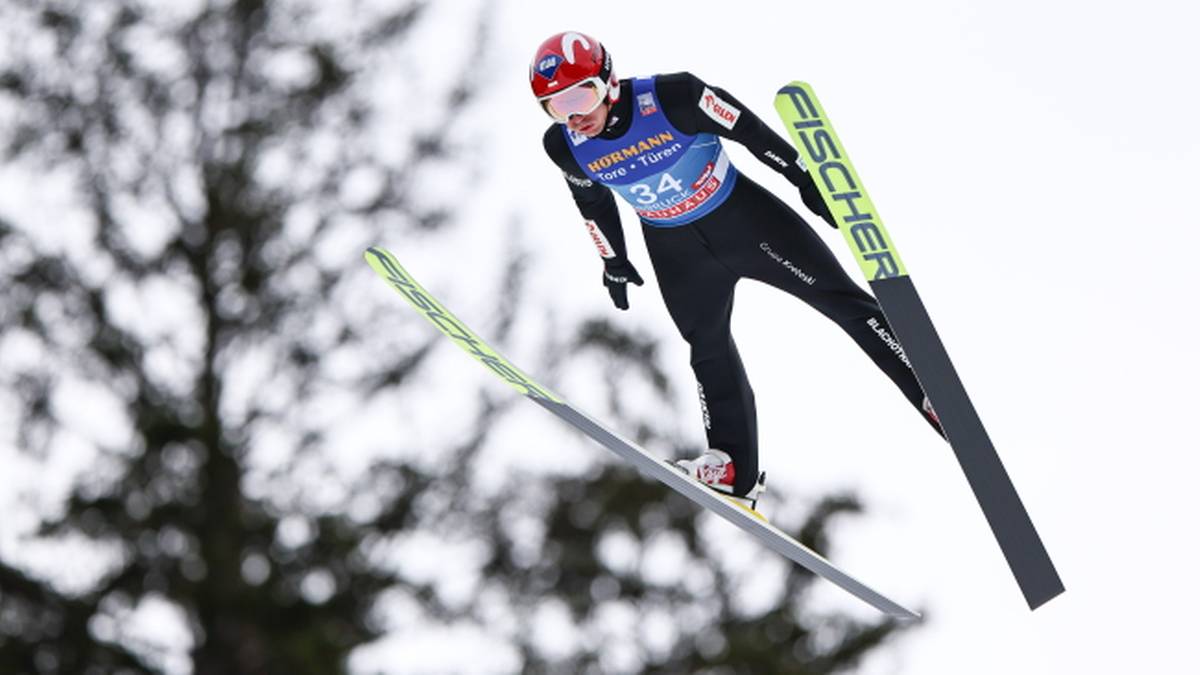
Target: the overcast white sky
pixel 1035 164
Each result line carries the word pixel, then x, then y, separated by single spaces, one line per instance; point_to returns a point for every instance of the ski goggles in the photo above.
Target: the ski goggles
pixel 580 98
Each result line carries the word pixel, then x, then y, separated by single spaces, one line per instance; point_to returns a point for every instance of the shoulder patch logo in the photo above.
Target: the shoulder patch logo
pixel 719 109
pixel 646 104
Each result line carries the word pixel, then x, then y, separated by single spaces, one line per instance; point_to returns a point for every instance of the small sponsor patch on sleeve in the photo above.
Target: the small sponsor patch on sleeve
pixel 598 238
pixel 777 159
pixel 720 110
pixel 577 181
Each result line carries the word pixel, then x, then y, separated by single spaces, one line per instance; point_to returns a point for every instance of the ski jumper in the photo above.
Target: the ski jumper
pixel 706 227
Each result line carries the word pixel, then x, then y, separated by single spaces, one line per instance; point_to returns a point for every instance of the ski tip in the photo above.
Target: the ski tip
pixel 382 261
pixel 792 86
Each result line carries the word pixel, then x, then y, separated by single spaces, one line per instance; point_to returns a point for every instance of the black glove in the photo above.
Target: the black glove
pixel 815 203
pixel 616 275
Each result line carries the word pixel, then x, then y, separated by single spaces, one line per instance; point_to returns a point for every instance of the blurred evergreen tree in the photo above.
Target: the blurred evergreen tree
pixel 217 161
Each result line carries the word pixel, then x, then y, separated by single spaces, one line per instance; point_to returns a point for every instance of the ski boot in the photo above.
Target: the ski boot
pixel 714 469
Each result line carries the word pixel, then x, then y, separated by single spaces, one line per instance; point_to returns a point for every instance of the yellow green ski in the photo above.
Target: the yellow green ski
pixel 856 216
pixel 731 509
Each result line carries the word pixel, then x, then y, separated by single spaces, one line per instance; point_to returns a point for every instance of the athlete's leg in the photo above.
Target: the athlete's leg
pixel 698 292
pixel 773 244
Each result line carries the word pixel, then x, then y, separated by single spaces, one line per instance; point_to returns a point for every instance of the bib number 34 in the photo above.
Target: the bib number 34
pixel 648 195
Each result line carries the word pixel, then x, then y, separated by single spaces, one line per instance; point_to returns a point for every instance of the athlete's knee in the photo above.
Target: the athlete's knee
pixel 710 343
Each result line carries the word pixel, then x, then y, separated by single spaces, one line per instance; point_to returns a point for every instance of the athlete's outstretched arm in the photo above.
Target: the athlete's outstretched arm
pixel 694 106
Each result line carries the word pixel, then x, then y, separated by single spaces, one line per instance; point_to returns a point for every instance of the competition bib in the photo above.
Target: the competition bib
pixel 671 178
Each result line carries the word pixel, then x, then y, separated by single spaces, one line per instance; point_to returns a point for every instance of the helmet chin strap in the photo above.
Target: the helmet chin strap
pixel 610 77
pixel 614 95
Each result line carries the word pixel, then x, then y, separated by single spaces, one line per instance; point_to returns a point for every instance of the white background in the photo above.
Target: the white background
pixel 1035 164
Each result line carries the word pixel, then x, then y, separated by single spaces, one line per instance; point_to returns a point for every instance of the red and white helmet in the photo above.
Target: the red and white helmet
pixel 571 74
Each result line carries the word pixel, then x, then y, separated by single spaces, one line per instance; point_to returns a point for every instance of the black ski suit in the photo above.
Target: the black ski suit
pixel 752 234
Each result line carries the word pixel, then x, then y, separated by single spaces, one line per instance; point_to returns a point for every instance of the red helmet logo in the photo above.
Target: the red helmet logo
pixel 568 45
pixel 565 59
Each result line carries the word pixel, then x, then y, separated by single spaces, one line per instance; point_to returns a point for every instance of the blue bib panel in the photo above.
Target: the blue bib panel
pixel 669 177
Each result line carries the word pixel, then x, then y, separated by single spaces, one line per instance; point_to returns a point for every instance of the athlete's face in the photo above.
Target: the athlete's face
pixel 590 124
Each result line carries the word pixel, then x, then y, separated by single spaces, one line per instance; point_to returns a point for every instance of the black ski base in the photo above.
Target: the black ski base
pixel 1010 523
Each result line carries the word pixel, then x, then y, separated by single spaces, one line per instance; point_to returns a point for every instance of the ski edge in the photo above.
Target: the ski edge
pixel 389 269
pixel 737 514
